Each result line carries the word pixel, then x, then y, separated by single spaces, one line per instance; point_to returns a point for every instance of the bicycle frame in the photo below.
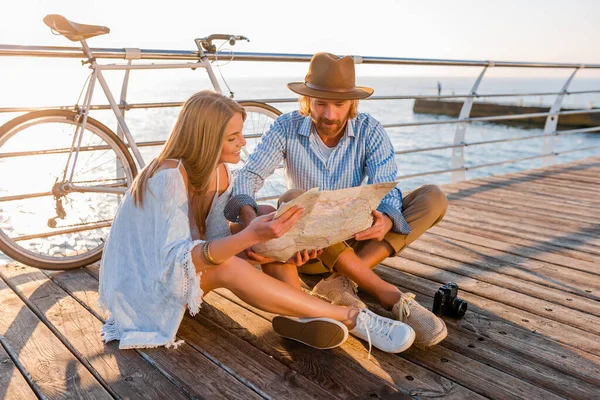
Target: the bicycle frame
pixel 123 129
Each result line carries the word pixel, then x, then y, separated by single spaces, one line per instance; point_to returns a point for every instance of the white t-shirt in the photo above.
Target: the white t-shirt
pixel 326 150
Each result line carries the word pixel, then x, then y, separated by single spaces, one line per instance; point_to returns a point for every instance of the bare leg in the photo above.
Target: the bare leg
pixel 287 273
pixel 373 253
pixel 271 295
pixel 357 269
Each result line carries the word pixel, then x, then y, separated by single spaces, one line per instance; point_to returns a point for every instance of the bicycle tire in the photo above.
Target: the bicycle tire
pixel 101 145
pixel 259 118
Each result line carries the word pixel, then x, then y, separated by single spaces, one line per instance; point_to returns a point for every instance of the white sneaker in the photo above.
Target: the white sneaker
pixel 384 333
pixel 320 333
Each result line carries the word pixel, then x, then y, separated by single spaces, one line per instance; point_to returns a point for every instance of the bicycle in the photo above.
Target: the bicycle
pixel 87 167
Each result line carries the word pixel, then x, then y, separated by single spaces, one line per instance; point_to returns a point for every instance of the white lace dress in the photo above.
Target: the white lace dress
pixel 146 275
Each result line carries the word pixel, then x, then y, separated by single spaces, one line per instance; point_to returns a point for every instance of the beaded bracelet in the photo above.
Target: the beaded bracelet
pixel 206 253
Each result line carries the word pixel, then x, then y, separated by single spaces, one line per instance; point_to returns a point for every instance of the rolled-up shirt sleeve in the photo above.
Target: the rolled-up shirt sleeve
pixel 260 165
pixel 380 166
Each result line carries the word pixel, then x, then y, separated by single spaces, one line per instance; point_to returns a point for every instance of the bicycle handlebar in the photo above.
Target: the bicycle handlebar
pixel 206 44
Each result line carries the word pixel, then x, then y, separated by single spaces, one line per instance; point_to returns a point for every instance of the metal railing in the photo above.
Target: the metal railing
pixel 457 168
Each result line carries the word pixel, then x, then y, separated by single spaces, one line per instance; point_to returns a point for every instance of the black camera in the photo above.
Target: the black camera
pixel 446 303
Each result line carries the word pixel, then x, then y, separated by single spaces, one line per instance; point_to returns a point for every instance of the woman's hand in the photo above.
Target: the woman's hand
pixel 298 259
pixel 266 228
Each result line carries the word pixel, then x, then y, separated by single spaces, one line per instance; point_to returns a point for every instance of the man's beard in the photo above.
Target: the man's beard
pixel 328 130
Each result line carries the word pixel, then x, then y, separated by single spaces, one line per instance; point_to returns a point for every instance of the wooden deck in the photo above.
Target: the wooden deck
pixel 524 249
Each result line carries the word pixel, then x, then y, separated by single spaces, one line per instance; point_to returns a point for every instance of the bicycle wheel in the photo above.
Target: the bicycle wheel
pixel 44 223
pixel 259 118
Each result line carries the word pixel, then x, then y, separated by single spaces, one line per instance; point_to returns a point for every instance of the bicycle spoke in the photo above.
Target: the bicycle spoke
pixel 89 156
pixel 97 166
pixel 98 157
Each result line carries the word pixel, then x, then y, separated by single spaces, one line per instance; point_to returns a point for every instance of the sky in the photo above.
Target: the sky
pixel 509 30
pixel 517 30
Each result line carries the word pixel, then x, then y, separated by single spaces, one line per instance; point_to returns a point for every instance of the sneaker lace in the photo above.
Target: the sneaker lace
pixel 404 306
pixel 378 325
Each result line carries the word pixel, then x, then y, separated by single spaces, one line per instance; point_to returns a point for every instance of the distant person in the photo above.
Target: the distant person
pixel 439 87
pixel 330 145
pixel 170 244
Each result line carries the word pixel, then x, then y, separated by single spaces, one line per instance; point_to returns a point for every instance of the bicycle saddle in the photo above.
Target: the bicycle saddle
pixel 72 30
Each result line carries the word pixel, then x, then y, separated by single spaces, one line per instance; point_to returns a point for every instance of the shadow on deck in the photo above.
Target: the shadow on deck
pixel 524 249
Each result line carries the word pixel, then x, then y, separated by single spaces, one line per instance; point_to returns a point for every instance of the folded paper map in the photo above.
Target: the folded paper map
pixel 329 217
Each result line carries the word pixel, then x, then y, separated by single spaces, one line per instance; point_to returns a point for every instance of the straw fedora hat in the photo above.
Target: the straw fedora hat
pixel 330 77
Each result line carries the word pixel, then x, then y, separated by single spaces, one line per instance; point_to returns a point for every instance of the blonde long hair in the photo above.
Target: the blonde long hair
pixel 304 107
pixel 197 140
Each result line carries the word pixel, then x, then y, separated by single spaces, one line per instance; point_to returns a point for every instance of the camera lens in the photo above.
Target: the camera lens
pixel 459 308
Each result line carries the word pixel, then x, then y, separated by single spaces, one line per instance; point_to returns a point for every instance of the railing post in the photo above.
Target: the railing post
pixel 458 153
pixel 552 122
pixel 123 98
pixel 123 102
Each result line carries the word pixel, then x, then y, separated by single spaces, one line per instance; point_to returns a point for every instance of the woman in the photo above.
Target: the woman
pixel 170 244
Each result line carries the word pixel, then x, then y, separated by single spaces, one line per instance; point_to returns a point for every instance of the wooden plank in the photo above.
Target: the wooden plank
pixel 417 380
pixel 557 242
pixel 518 336
pixel 505 357
pixel 508 264
pixel 532 253
pixel 518 365
pixel 13 385
pixel 191 372
pixel 125 372
pixel 535 190
pixel 198 376
pixel 524 218
pixel 532 210
pixel 541 192
pixel 584 168
pixel 507 304
pixel 254 367
pixel 571 244
pixel 52 367
pixel 582 312
pixel 478 377
pixel 571 208
pixel 581 236
pixel 566 179
pixel 268 376
pixel 541 184
pixel 322 367
pixel 561 180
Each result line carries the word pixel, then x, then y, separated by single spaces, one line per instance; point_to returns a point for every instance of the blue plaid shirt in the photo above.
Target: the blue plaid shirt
pixel 365 151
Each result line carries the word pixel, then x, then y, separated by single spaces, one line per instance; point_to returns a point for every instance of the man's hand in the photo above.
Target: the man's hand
pixel 382 224
pixel 247 214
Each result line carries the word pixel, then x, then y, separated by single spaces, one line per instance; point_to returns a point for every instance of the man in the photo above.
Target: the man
pixel 329 145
